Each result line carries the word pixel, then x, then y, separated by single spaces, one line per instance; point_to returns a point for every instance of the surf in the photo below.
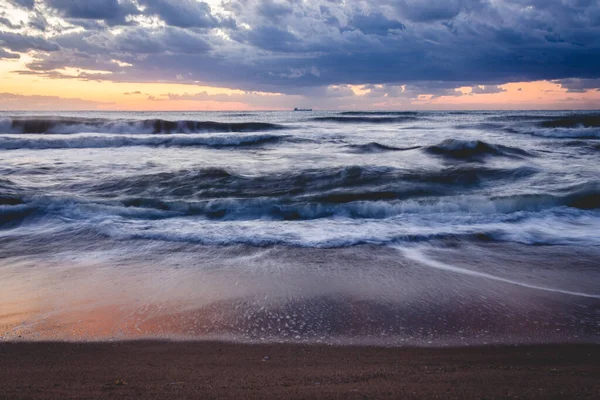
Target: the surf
pixel 68 125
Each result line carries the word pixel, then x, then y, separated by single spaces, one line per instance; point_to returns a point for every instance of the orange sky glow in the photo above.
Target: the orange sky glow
pixel 22 91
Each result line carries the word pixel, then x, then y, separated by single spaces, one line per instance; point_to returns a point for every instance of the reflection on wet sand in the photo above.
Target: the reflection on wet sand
pixel 363 294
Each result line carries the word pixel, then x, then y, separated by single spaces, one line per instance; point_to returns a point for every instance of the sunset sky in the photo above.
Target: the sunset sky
pixel 278 54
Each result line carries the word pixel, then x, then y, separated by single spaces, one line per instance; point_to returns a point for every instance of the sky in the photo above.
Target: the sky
pixel 281 54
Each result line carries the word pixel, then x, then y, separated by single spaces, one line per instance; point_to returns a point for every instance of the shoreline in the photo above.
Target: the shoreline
pixel 370 295
pixel 193 369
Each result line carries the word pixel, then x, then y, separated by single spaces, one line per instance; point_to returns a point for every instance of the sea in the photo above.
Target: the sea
pixel 387 228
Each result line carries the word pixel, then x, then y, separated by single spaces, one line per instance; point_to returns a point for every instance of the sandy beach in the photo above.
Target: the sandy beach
pixel 213 370
pixel 277 199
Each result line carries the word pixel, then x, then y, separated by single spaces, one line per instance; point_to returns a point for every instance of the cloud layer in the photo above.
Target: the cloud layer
pixel 301 48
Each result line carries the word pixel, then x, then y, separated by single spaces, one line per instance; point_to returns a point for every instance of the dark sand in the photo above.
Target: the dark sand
pixel 205 370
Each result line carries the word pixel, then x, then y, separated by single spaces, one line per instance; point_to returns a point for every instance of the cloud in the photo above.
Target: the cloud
pixel 24 43
pixel 435 10
pixel 270 38
pixel 38 21
pixel 295 47
pixel 338 97
pixel 324 98
pixel 113 12
pixel 6 21
pixel 574 85
pixel 487 89
pixel 273 10
pixel 375 24
pixel 12 101
pixel 23 3
pixel 7 55
pixel 182 13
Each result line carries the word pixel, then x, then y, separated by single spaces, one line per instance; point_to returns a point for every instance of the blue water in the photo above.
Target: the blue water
pixel 304 179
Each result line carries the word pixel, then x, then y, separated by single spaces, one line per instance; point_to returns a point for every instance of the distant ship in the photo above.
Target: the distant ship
pixel 302 109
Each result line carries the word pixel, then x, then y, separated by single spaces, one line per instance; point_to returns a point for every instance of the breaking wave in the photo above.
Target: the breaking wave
pixel 286 209
pixel 64 125
pixel 353 184
pixel 338 185
pixel 573 121
pixel 366 119
pixel 374 147
pixel 566 133
pixel 576 126
pixel 104 141
pixel 216 193
pixel 533 219
pixel 380 113
pixel 282 207
pixel 473 150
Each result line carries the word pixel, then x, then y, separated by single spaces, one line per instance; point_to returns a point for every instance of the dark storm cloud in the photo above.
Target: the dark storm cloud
pixel 38 21
pixel 294 47
pixel 89 51
pixel 270 38
pixel 7 55
pixel 274 10
pixel 172 41
pixel 113 12
pixel 23 43
pixel 574 85
pixel 375 24
pixel 182 13
pixel 435 10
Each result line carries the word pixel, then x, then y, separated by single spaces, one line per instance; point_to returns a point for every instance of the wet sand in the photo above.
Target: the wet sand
pixel 213 370
pixel 66 325
pixel 453 296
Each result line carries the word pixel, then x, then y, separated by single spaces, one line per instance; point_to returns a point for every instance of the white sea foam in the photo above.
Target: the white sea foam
pixel 541 228
pixel 566 133
pixel 106 141
pixel 418 256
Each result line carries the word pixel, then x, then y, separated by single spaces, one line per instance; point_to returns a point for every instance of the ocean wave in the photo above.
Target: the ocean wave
pixel 105 141
pixel 375 147
pixel 9 193
pixel 369 207
pixel 573 126
pixel 334 183
pixel 568 218
pixel 584 196
pixel 13 206
pixel 552 226
pixel 366 119
pixel 270 208
pixel 483 126
pixel 248 114
pixel 64 125
pixel 522 117
pixel 551 120
pixel 381 113
pixel 473 150
pixel 573 121
pixel 6 199
pixel 12 215
pixel 563 133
